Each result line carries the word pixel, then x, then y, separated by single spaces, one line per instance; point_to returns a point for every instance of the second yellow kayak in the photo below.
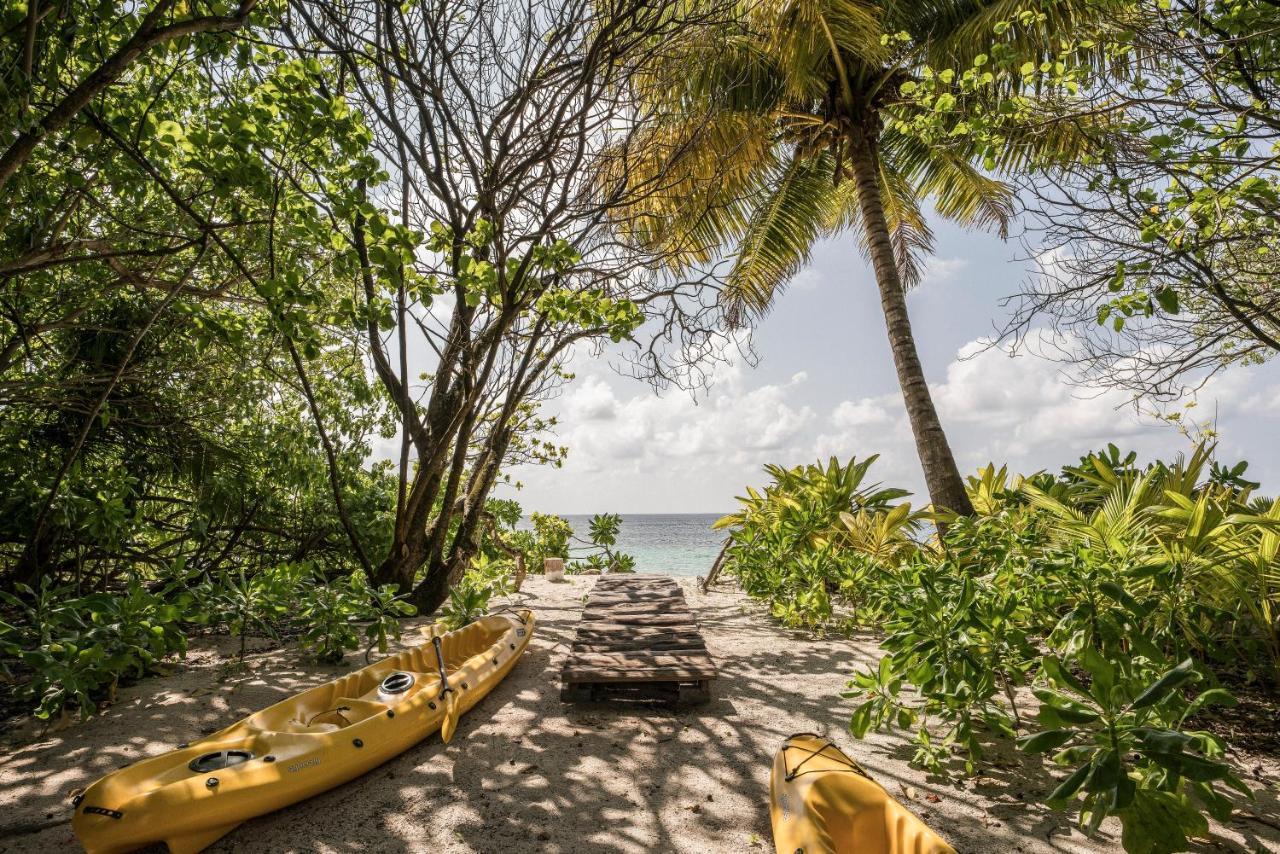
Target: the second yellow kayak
pixel 190 797
pixel 822 802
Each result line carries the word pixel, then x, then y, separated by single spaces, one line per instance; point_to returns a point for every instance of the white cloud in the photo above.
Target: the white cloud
pixel 1021 409
pixel 860 413
pixel 590 400
pixel 631 450
pixel 940 271
pixel 808 279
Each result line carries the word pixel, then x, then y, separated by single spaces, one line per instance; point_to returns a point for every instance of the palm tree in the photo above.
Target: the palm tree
pixel 781 133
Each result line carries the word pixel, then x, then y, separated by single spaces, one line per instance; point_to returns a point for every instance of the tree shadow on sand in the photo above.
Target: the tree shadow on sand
pixel 526 772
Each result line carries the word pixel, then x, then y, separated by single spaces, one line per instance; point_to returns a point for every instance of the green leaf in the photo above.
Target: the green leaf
pixel 1068 787
pixel 1165 685
pixel 1158 822
pixel 1168 299
pixel 860 722
pixel 1102 671
pixel 1163 741
pixel 1211 697
pixel 1119 594
pixel 1061 674
pixel 1042 742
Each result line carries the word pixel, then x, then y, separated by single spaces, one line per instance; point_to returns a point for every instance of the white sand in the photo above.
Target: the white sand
pixel 527 773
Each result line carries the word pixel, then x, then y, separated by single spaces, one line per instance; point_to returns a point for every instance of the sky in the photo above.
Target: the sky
pixel 825 385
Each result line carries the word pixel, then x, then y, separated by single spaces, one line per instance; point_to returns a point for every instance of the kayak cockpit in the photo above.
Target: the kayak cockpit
pixel 372 691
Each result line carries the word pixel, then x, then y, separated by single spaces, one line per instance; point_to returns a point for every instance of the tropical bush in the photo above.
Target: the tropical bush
pixel 469 598
pixel 63 651
pixel 597 553
pixel 549 538
pixel 72 651
pixel 553 536
pixel 335 614
pixel 1091 617
pixel 786 543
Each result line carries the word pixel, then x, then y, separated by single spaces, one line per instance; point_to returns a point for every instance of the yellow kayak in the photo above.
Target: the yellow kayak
pixel 822 802
pixel 190 797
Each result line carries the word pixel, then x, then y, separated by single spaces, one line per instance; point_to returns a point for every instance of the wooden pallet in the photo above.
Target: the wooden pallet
pixel 637 640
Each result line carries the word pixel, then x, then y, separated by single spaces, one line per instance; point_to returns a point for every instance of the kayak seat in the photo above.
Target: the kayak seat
pixel 342 713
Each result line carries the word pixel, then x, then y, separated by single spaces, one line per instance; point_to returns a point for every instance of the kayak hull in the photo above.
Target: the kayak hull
pixel 307 744
pixel 822 802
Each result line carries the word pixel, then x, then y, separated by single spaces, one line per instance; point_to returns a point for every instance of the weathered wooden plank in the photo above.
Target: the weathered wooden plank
pixel 645 607
pixel 638 659
pixel 650 620
pixel 638 596
pixel 638 604
pixel 674 646
pixel 605 626
pixel 626 644
pixel 638 634
pixel 655 674
pixel 637 629
pixel 641 586
pixel 672 617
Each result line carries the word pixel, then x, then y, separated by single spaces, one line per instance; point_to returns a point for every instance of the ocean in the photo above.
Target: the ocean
pixel 671 543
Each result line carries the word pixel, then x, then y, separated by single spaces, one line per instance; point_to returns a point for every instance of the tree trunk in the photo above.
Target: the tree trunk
pixel 946 487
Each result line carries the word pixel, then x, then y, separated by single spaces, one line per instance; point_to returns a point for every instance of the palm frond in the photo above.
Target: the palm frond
pixel 957 32
pixel 809 38
pixel 692 183
pixel 946 175
pixel 797 210
pixel 737 74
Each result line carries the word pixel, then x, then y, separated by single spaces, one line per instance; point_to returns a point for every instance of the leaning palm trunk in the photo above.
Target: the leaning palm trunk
pixel 946 488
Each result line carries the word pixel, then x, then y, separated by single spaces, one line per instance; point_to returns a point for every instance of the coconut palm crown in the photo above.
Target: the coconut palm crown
pixel 782 131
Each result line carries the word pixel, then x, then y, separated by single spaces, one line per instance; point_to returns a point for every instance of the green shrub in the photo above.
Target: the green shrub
pixel 335 613
pixel 248 603
pixel 553 536
pixel 549 538
pixel 597 552
pixel 382 612
pixel 76 649
pixel 785 545
pixel 1108 590
pixel 469 598
pixel 65 652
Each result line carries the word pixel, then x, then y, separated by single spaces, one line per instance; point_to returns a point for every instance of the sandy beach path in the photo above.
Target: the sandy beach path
pixel 528 773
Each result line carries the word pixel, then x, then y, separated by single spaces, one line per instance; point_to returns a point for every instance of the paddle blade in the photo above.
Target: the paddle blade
pixel 450 722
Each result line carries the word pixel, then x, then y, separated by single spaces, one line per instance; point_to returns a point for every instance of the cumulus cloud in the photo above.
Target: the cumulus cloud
pixel 633 450
pixel 733 420
pixel 940 271
pixel 866 411
pixel 591 400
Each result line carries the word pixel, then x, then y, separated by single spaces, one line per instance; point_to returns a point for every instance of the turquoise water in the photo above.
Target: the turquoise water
pixel 671 543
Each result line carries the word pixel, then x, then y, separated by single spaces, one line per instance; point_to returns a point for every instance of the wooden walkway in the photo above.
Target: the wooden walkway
pixel 638 639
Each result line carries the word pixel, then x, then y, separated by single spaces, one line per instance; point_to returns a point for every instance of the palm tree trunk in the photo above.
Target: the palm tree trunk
pixel 946 488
